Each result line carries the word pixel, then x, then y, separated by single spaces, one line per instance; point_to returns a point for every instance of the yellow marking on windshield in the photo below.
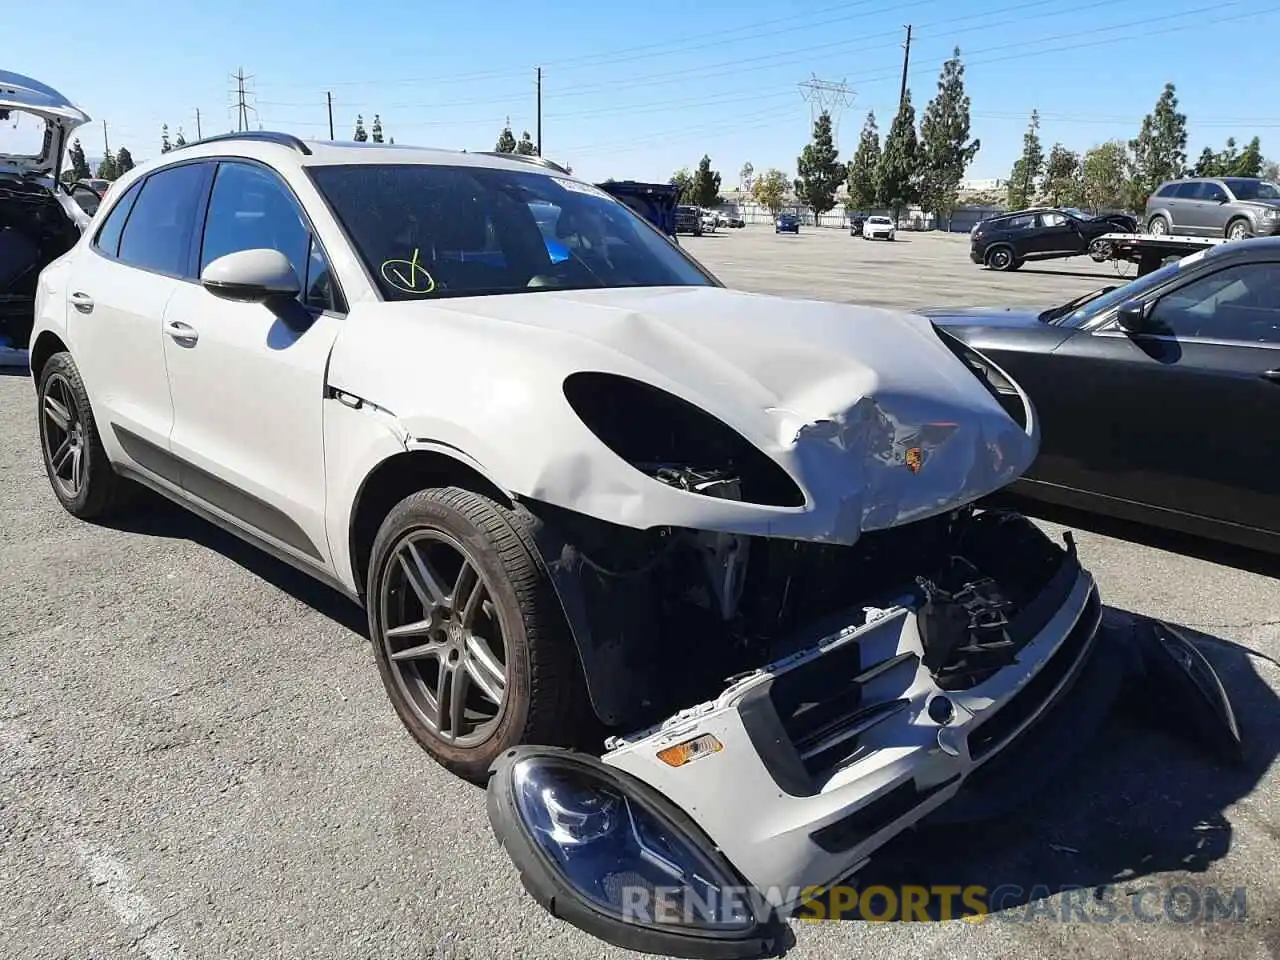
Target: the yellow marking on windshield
pixel 408 275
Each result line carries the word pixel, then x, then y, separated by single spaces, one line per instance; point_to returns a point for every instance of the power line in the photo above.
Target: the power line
pixel 826 96
pixel 647 51
pixel 778 58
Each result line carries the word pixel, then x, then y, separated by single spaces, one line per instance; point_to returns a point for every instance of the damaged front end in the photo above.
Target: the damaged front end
pixel 779 708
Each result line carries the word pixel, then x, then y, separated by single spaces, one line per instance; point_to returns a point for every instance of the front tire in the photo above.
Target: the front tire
pixel 75 461
pixel 1239 229
pixel 468 633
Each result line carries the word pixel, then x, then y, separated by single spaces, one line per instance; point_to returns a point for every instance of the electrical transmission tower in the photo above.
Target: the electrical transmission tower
pixel 241 95
pixel 830 96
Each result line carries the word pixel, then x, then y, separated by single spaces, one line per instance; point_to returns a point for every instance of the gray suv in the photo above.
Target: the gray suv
pixel 1232 207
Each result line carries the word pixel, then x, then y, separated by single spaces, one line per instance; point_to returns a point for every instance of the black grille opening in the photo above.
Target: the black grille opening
pixel 992 379
pixel 653 430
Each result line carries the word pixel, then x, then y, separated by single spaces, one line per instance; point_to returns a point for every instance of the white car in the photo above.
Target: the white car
pixel 41 218
pixel 575 491
pixel 710 221
pixel 877 228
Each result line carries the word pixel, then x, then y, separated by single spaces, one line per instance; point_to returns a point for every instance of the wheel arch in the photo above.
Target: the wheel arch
pixel 46 345
pixel 395 478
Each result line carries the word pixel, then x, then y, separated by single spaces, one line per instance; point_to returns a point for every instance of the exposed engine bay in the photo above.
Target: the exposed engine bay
pixel 35 229
pixel 670 615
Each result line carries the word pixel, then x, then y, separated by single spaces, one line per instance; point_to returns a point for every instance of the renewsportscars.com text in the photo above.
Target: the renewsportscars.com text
pixel 1009 903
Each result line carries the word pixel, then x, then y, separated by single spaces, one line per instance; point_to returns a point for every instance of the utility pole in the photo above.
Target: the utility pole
pixel 328 96
pixel 106 147
pixel 906 60
pixel 539 111
pixel 199 135
pixel 242 105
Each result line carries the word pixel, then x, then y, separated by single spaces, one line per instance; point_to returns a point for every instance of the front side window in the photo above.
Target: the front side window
pixel 429 232
pixel 1238 303
pixel 1247 189
pixel 250 208
pixel 158 234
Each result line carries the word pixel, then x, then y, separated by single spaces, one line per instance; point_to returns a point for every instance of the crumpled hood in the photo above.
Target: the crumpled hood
pixel 872 415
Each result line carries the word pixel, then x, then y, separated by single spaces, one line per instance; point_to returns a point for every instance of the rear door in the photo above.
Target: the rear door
pixel 1185 417
pixel 119 287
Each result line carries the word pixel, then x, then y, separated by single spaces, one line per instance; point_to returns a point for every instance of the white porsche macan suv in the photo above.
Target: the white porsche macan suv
pixel 722 542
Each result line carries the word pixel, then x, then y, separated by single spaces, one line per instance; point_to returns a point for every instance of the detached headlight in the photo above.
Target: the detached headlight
pixel 611 856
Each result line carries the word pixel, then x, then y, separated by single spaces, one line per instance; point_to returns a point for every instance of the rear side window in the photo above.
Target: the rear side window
pixel 108 240
pixel 1019 223
pixel 158 234
pixel 1167 190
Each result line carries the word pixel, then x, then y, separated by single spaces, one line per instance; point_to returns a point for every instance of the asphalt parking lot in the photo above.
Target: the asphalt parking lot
pixel 197 758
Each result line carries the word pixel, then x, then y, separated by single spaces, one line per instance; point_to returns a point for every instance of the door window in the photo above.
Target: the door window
pixel 158 233
pixel 1052 219
pixel 1019 223
pixel 1239 303
pixel 108 239
pixel 251 209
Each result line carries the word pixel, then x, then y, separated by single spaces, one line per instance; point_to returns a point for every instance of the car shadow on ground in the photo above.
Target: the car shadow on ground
pixel 14 372
pixel 1140 798
pixel 157 517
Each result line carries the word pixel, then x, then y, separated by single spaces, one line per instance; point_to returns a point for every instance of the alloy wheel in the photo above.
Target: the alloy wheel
pixel 1158 228
pixel 443 637
pixel 1000 259
pixel 1239 231
pixel 63 436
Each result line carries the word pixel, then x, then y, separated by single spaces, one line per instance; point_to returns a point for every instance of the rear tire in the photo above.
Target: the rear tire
pixel 1001 258
pixel 1159 226
pixel 79 471
pixel 484 609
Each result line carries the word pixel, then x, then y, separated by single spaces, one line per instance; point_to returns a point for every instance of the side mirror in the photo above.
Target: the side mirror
pixel 1132 316
pixel 252 276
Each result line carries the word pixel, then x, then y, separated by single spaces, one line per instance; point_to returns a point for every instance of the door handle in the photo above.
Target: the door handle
pixel 1272 375
pixel 82 302
pixel 183 333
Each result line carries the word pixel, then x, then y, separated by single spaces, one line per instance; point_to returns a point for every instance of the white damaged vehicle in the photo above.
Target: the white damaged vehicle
pixel 692 578
pixel 41 217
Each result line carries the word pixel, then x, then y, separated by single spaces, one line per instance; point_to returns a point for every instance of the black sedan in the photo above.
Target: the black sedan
pixel 1158 400
pixel 1008 241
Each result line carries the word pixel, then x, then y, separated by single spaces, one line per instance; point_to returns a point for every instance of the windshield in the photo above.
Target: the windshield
pixel 1117 295
pixel 1244 189
pixel 429 232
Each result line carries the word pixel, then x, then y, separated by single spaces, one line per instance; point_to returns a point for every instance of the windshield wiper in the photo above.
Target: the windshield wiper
pixel 1053 313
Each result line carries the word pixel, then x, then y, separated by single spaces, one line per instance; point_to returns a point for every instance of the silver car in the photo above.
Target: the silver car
pixel 1232 207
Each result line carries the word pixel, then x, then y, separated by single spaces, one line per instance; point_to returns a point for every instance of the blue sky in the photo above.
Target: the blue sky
pixel 637 90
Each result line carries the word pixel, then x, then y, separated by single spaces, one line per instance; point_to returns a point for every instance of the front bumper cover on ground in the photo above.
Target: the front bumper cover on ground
pixel 703 858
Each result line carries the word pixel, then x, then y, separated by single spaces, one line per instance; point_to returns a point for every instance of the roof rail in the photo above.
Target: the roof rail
pixel 527 158
pixel 262 136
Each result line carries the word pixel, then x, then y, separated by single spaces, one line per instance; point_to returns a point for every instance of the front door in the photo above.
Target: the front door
pixel 1186 415
pixel 1055 234
pixel 248 380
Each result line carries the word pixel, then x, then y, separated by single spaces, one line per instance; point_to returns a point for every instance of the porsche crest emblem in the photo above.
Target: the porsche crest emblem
pixel 914 459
